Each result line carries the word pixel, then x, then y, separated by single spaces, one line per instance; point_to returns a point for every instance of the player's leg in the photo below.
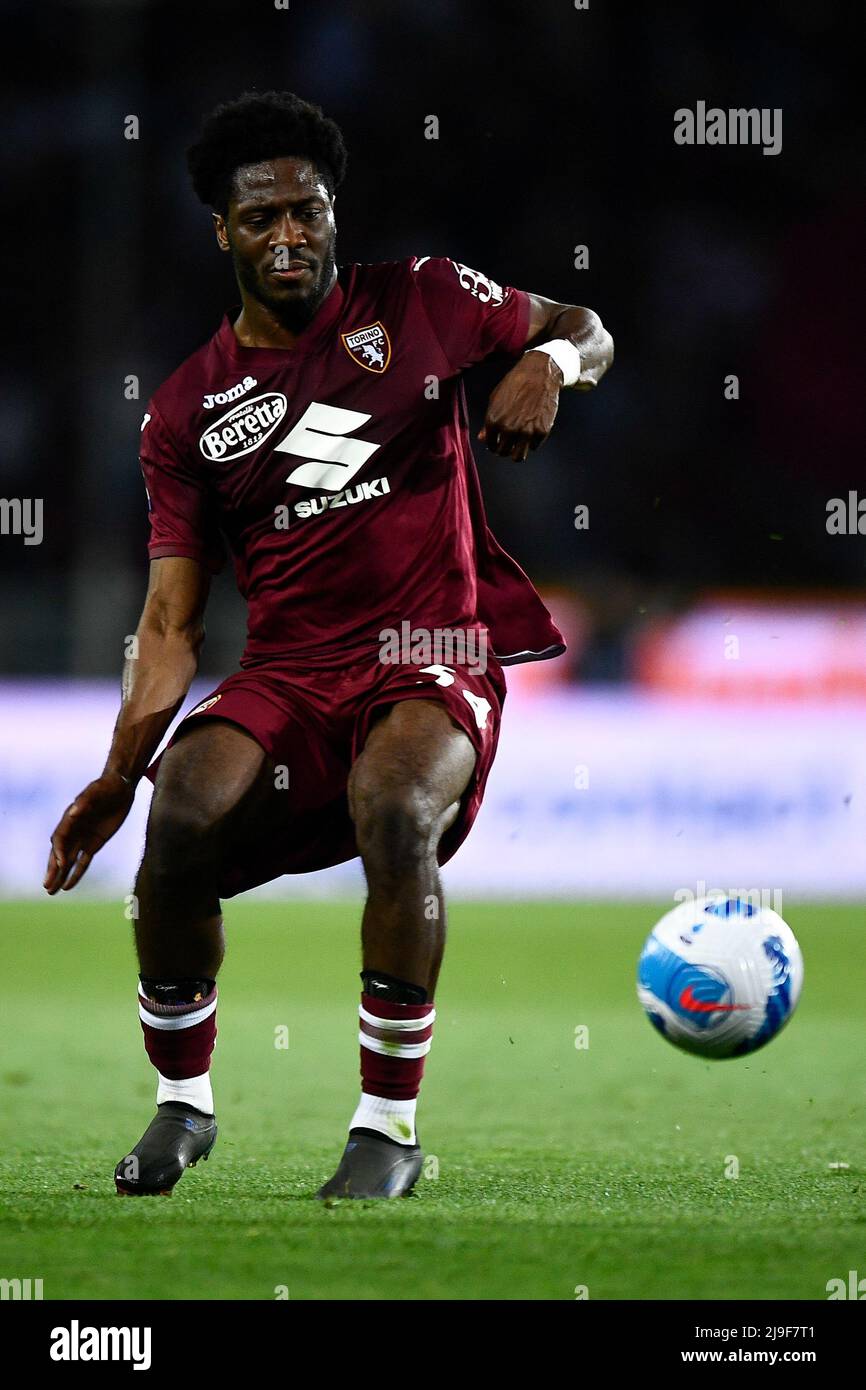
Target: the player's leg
pixel 209 783
pixel 404 792
pixel 210 787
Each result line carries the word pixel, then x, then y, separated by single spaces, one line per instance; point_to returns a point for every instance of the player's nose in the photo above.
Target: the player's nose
pixel 288 232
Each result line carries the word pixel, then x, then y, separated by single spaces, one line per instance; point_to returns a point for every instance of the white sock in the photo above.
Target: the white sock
pixel 192 1090
pixel 394 1118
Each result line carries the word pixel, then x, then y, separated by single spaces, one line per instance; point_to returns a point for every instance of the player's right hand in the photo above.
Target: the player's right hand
pixel 91 819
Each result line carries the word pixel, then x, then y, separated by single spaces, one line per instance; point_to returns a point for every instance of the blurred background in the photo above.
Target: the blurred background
pixel 707 722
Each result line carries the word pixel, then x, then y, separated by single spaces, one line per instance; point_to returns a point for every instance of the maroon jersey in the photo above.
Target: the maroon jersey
pixel 339 471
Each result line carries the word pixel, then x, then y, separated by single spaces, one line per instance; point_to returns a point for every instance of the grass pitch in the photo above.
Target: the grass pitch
pixel 552 1167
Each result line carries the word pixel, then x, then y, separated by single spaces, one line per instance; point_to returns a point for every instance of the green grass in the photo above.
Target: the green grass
pixel 557 1167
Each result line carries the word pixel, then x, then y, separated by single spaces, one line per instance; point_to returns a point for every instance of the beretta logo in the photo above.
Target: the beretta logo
pixel 244 428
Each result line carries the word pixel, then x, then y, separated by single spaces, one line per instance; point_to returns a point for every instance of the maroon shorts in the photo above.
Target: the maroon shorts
pixel 313 724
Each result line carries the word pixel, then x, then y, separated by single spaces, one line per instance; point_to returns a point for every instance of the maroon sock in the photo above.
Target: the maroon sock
pixel 395 1040
pixel 179 1038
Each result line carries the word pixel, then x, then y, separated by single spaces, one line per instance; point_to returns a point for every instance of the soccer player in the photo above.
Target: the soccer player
pixel 322 436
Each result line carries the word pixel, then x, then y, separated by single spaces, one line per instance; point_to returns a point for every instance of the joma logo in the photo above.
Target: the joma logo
pixel 231 393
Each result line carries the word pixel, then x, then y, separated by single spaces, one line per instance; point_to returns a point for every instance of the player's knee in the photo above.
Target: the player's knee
pixel 395 826
pixel 181 835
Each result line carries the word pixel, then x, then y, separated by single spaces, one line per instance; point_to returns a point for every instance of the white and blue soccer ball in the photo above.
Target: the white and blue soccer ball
pixel 720 976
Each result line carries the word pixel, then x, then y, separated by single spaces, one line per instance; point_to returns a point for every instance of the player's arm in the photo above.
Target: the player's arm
pixel 566 347
pixel 156 677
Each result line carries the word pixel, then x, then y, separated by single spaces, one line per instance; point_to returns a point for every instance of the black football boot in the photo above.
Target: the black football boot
pixel 373 1166
pixel 176 1138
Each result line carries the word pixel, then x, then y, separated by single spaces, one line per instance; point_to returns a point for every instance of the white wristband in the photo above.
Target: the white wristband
pixel 566 357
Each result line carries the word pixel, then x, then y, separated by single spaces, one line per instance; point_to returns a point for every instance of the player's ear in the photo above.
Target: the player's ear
pixel 222 236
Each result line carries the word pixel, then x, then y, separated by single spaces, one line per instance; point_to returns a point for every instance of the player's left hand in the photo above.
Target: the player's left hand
pixel 522 408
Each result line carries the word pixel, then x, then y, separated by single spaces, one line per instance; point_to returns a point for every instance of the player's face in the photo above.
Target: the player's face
pixel 281 234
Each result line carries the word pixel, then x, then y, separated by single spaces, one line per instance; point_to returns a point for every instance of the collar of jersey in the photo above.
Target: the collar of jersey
pixel 310 340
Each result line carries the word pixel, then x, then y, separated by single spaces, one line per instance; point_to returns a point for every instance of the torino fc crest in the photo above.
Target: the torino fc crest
pixel 370 347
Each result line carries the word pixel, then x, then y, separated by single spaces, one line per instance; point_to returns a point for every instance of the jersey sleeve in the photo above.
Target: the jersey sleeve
pixel 183 514
pixel 470 314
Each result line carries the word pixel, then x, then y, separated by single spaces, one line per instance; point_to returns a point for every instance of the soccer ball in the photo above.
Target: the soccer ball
pixel 720 976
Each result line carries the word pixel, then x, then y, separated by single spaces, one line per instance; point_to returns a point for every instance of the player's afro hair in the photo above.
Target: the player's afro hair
pixel 259 126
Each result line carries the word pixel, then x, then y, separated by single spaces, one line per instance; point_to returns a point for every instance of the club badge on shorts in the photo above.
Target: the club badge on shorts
pixel 370 347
